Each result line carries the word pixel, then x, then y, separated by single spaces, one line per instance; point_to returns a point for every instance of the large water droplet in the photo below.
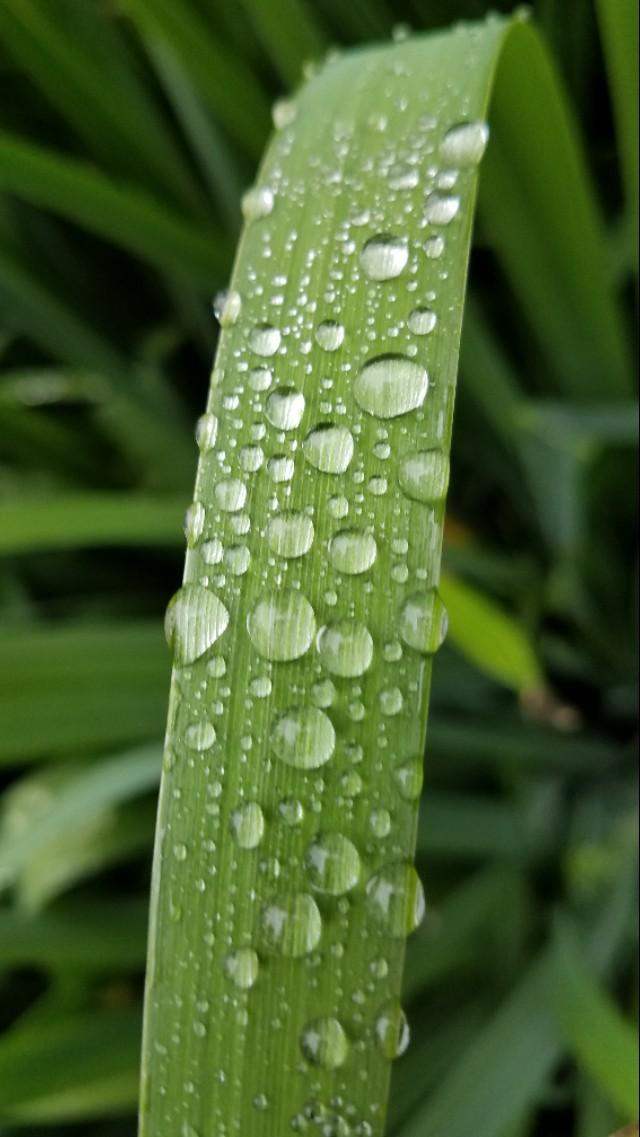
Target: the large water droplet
pixel 303 737
pixel 285 407
pixel 290 534
pixel 384 256
pixel 391 385
pixel 329 335
pixel 200 736
pixel 424 476
pixel 465 143
pixel 242 967
pixel 392 1030
pixel 329 448
pixel 247 825
pixel 441 208
pixel 195 619
pixel 264 339
pixel 351 551
pixel 231 495
pixel 423 622
pixel 324 1043
pixel 345 648
pixel 333 864
pixel 282 625
pixel 291 925
pixel 422 321
pixel 395 898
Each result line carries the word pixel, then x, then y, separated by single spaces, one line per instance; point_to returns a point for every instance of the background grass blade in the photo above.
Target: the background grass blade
pixel 619 27
pixel 67 522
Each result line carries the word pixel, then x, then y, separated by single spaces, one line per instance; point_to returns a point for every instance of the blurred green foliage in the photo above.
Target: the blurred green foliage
pixel 128 130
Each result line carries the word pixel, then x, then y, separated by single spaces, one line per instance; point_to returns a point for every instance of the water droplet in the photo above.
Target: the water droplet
pixel 206 432
pixel 180 852
pixel 290 534
pixel 324 1043
pixel 257 202
pixel 200 736
pixel 260 378
pixel 291 812
pixel 323 693
pixel 291 925
pixel 351 551
pixel 441 208
pixel 247 825
pixel 424 476
pixel 434 248
pixel 384 256
pixel 303 737
pixel 242 967
pixel 227 306
pixel 282 626
pixel 212 551
pixel 391 701
pixel 329 448
pixel 377 485
pixel 261 687
pixel 333 864
pixel 396 899
pixel 392 1030
pixel 280 468
pixel 195 619
pixel 251 458
pixel 329 335
pixel 391 385
pixel 351 784
pixel 264 339
pixel 194 520
pixel 231 495
pixel 380 822
pixel 217 667
pixel 423 622
pixel 237 559
pixel 422 321
pixel 408 778
pixel 285 407
pixel 379 968
pixel 338 506
pixel 283 113
pixel 261 1102
pixel 465 143
pixel 345 648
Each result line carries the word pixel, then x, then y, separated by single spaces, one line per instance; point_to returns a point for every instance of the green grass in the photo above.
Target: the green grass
pixel 127 135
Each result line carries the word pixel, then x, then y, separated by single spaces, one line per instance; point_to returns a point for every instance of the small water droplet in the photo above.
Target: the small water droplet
pixel 291 812
pixel 260 378
pixel 261 1102
pixel 345 648
pixel 290 534
pixel 194 520
pixel 338 507
pixel 261 687
pixel 291 925
pixel 384 257
pixel 408 778
pixel 329 335
pixel 392 1030
pixel 280 468
pixel 434 247
pixel 380 822
pixel 180 851
pixel 283 113
pixel 329 448
pixel 251 458
pixel 333 864
pixel 323 693
pixel 227 306
pixel 324 1043
pixel 257 202
pixel 285 407
pixel 206 432
pixel 281 626
pixel 264 339
pixel 352 552
pixel 212 551
pixel 396 899
pixel 247 825
pixel 195 619
pixel 303 737
pixel 424 476
pixel 423 622
pixel 391 701
pixel 230 495
pixel 391 385
pixel 237 559
pixel 422 321
pixel 242 967
pixel 217 667
pixel 465 143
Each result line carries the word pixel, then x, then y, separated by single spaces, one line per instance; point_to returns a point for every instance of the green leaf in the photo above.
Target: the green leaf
pixel 619 30
pixel 604 1043
pixel 70 521
pixel 487 635
pixel 126 215
pixel 289 33
pixel 113 936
